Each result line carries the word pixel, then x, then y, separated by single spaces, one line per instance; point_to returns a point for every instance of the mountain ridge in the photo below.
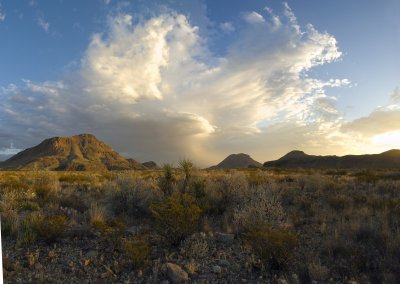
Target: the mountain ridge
pixel 79 152
pixel 235 161
pixel 299 159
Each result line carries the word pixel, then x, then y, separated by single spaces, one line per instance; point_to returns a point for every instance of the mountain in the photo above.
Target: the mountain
pixel 299 159
pixel 151 165
pixel 80 152
pixel 235 161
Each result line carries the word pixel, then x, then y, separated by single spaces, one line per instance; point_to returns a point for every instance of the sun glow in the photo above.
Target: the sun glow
pixel 388 140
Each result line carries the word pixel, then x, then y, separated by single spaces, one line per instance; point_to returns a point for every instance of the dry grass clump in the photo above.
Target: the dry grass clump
pixel 97 216
pixel 46 185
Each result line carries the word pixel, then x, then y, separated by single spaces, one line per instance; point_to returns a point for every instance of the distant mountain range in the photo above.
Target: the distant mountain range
pixel 235 161
pixel 85 152
pixel 80 152
pixel 299 159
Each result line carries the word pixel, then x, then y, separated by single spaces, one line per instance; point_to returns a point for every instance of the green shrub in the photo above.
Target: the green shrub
pixel 275 247
pixel 50 228
pixel 137 251
pixel 177 217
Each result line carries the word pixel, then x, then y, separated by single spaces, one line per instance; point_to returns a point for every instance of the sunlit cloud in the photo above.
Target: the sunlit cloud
pixel 154 90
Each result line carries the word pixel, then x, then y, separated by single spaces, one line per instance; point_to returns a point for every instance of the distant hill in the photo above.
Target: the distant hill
pixel 80 152
pixel 235 161
pixel 299 159
pixel 151 165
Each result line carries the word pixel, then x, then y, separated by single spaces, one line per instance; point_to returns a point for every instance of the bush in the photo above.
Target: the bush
pixel 177 217
pixel 137 251
pixel 273 246
pixel 132 196
pixel 261 206
pixel 50 228
pixel 46 185
pixel 97 216
pixel 195 247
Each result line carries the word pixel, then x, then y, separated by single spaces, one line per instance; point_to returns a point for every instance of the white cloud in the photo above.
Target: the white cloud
pixel 253 17
pixel 2 14
pixel 227 27
pixel 395 96
pixel 154 91
pixel 43 23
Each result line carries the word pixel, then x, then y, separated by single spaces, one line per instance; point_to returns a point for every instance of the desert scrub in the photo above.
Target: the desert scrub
pixel 168 180
pixel 195 246
pixel 225 193
pixel 275 247
pixel 97 216
pixel 132 195
pixel 46 185
pixel 50 228
pixel 260 206
pixel 177 217
pixel 137 251
pixel 27 230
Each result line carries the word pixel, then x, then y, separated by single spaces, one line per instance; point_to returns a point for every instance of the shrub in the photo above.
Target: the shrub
pixel 97 216
pixel 275 247
pixel 177 217
pixel 187 167
pixel 27 231
pixel 338 203
pixel 9 223
pixel 167 181
pixel 46 185
pixel 50 228
pixel 137 251
pixel 132 195
pixel 195 247
pixel 27 205
pixel 225 193
pixel 261 206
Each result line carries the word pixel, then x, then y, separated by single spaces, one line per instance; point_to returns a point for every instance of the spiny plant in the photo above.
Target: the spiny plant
pixel 186 166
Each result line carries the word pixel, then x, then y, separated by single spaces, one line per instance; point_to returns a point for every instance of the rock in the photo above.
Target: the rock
pixel 176 273
pixel 217 269
pixel 224 262
pixel 91 254
pixel 38 266
pixel 225 238
pixel 133 230
pixel 282 281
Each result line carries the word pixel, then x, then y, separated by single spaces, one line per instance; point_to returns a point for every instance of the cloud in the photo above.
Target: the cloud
pixel 395 97
pixel 253 17
pixel 43 23
pixel 154 90
pixel 9 151
pixel 2 14
pixel 379 121
pixel 227 27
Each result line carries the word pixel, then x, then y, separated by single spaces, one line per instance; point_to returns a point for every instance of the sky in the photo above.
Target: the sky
pixel 201 79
